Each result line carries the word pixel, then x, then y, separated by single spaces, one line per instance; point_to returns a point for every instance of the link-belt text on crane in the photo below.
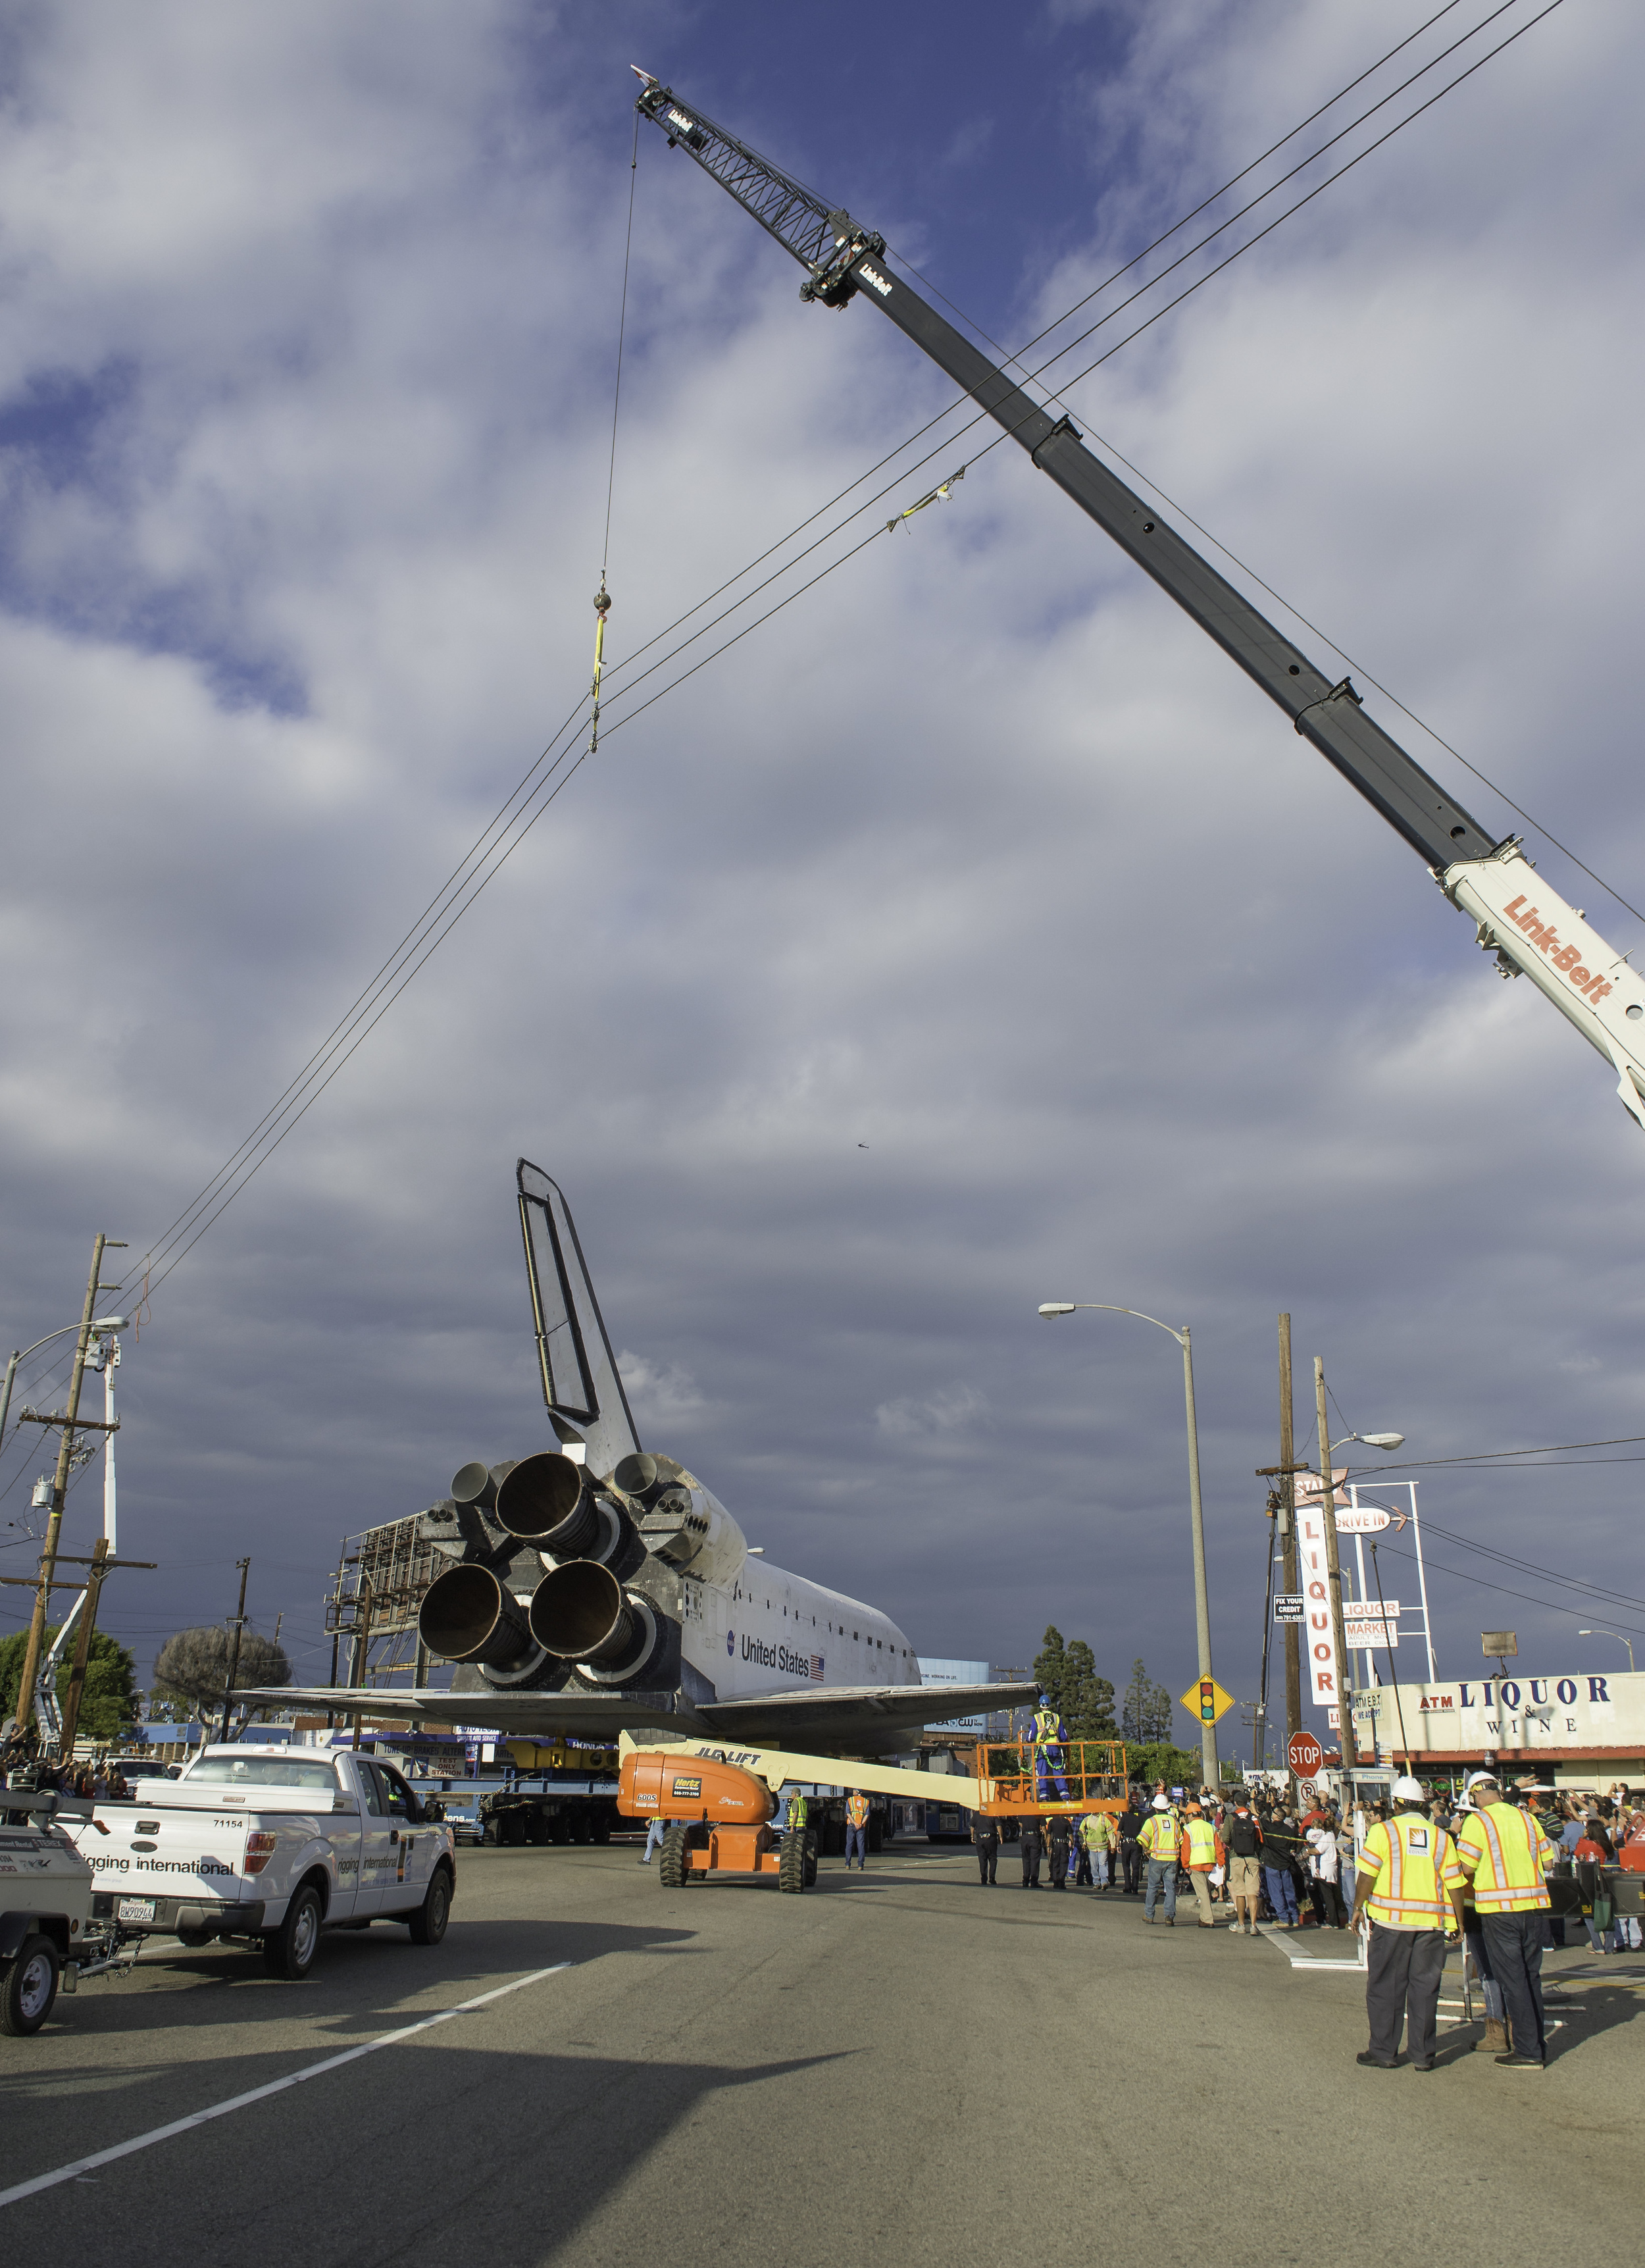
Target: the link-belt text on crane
pixel 1564 958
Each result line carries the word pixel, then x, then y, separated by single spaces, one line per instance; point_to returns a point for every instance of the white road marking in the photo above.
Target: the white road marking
pixel 82 2167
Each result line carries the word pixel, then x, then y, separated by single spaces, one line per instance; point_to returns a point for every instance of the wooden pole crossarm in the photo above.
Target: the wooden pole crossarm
pixel 70 1424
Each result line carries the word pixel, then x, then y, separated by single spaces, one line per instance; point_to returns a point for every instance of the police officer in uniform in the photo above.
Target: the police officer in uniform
pixel 1060 1842
pixel 985 1833
pixel 1409 1894
pixel 1028 1843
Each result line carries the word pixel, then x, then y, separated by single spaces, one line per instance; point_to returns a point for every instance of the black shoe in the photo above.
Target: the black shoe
pixel 1521 2062
pixel 1375 2063
pixel 1421 2066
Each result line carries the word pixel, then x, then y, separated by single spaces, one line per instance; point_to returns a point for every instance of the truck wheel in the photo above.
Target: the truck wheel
pixel 674 1865
pixel 791 1863
pixel 29 1985
pixel 428 1924
pixel 289 1950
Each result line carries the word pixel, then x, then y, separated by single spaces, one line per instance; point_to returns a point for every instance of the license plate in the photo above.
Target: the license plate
pixel 137 1909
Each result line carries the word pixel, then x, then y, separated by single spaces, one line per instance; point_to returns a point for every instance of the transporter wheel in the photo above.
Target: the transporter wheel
pixel 602 1831
pixel 289 1950
pixel 791 1863
pixel 673 1864
pixel 28 1986
pixel 582 1828
pixel 428 1924
pixel 560 1827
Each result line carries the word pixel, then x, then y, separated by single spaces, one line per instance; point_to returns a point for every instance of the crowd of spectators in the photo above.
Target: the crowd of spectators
pixel 1305 1854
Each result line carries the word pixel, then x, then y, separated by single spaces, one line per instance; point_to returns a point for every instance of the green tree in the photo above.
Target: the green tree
pixel 1051 1667
pixel 109 1700
pixel 1148 1710
pixel 193 1666
pixel 1151 1760
pixel 1087 1699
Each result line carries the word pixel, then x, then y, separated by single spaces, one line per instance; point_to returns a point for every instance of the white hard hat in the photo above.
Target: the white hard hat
pixel 1160 1804
pixel 1480 1780
pixel 1409 1790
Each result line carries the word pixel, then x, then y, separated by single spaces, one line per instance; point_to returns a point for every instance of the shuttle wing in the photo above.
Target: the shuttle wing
pixel 854 1717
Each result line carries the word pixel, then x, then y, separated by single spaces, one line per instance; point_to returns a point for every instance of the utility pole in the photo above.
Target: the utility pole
pixel 60 1485
pixel 234 1651
pixel 1201 1601
pixel 1334 1576
pixel 1287 1534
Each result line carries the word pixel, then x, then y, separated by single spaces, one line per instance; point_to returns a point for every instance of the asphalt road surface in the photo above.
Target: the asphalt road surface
pixel 900 2064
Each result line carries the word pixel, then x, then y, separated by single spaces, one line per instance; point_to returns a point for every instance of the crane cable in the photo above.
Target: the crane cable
pixel 602 597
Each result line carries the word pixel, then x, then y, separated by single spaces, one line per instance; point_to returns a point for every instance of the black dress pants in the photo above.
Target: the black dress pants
pixel 1031 1861
pixel 1403 1973
pixel 988 1860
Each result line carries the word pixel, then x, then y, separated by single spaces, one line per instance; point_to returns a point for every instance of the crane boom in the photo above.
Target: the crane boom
pixel 1530 928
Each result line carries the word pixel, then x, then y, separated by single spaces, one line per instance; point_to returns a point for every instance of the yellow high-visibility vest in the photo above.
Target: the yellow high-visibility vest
pixel 1505 1854
pixel 1045 1724
pixel 1415 1864
pixel 1198 1839
pixel 1158 1837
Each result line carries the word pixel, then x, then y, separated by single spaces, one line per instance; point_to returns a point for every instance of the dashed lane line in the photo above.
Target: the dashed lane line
pixel 82 2167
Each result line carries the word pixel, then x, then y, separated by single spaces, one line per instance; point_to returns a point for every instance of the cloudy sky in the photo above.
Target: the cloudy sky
pixel 971 934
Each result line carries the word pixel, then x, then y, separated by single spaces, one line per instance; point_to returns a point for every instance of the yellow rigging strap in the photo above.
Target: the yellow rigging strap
pixel 937 495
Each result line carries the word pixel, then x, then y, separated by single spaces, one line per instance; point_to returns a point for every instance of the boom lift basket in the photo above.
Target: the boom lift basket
pixel 1019 1777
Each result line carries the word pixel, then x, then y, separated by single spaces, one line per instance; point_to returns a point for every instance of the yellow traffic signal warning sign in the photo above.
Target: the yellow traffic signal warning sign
pixel 1206 1700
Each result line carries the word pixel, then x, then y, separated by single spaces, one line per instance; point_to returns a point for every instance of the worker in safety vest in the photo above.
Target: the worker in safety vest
pixel 1159 1843
pixel 1050 1732
pixel 798 1811
pixel 856 1830
pixel 1409 1894
pixel 1200 1850
pixel 1505 1856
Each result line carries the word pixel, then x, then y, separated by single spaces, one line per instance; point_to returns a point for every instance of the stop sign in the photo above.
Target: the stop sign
pixel 1304 1755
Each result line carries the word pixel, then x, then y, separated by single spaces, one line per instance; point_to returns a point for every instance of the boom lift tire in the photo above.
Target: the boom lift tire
pixel 28 1987
pixel 792 1862
pixel 289 1950
pixel 428 1924
pixel 673 1866
pixel 811 1857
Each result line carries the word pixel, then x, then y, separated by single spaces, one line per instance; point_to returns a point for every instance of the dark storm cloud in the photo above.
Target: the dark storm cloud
pixel 979 855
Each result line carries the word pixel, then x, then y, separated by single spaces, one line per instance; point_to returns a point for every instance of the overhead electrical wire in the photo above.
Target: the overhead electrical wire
pixel 1437 1566
pixel 520 811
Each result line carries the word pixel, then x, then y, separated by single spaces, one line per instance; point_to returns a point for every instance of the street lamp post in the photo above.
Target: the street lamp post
pixel 1615 1634
pixel 87 1324
pixel 1202 1604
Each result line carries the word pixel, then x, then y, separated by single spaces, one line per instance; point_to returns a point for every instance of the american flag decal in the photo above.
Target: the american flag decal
pixel 816 1669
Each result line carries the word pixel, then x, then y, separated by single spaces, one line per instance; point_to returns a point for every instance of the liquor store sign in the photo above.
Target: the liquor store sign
pixel 1584 1711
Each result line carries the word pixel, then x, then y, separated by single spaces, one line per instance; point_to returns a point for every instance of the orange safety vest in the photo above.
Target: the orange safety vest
pixel 1415 1864
pixel 1505 1853
pixel 857 1810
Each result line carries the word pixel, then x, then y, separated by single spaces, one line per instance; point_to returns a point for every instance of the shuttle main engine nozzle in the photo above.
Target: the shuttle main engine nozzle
pixel 544 1501
pixel 581 1613
pixel 467 1616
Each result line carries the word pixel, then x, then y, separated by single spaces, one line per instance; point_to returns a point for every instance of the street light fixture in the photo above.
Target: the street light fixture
pixel 1615 1634
pixel 1201 1605
pixel 96 1323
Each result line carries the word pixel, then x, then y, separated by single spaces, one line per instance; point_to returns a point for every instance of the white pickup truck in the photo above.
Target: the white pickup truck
pixel 275 1843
